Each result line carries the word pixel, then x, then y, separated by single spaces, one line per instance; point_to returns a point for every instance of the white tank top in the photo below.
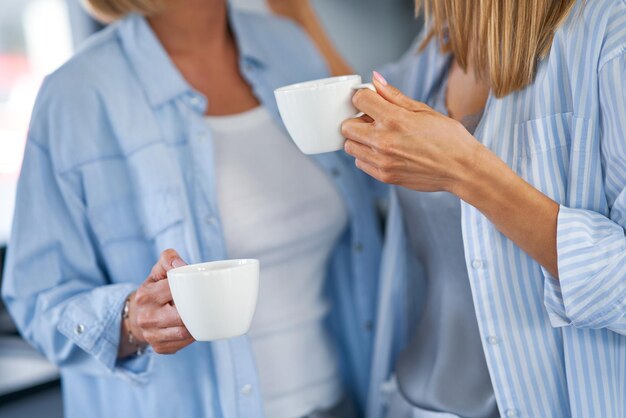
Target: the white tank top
pixel 278 206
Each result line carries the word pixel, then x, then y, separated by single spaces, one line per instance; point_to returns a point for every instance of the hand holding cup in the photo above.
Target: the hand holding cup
pixel 314 110
pixel 153 317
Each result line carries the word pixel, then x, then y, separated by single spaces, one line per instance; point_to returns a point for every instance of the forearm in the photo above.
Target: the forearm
pixel 517 209
pixel 301 12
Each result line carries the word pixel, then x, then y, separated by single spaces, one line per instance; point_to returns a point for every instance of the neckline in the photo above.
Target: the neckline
pixel 238 121
pixel 470 122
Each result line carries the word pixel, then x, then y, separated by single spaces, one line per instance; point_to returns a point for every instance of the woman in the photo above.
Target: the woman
pixel 160 133
pixel 510 160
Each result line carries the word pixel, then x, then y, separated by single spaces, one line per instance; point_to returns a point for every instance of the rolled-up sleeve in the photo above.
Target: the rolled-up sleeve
pixel 591 289
pixel 55 287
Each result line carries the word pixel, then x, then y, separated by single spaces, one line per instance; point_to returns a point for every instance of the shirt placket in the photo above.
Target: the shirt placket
pixel 201 182
pixel 483 281
pixel 479 234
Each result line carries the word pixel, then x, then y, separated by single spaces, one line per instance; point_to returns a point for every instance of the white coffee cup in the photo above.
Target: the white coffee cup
pixel 314 111
pixel 216 300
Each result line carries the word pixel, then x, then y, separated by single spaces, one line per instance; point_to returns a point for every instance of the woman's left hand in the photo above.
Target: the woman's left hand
pixel 404 142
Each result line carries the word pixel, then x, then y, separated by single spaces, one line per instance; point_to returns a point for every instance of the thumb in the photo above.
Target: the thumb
pixel 168 260
pixel 395 96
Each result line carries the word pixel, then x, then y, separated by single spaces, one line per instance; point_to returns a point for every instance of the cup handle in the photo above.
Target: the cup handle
pixel 358 87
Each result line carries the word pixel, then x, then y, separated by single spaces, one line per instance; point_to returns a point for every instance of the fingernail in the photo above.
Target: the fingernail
pixel 378 77
pixel 178 263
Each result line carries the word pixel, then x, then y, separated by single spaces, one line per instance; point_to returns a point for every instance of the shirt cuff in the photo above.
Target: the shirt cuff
pixel 589 292
pixel 553 300
pixel 92 321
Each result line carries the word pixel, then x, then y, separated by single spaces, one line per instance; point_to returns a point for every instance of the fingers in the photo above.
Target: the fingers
pixel 375 172
pixel 169 317
pixel 154 293
pixel 168 260
pixel 395 96
pixel 378 165
pixel 368 168
pixel 175 334
pixel 161 336
pixel 169 340
pixel 373 104
pixel 164 317
pixel 361 152
pixel 366 118
pixel 172 346
pixel 359 130
pixel 155 315
pixel 163 329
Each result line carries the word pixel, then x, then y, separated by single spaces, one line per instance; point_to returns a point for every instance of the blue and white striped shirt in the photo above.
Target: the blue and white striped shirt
pixel 554 348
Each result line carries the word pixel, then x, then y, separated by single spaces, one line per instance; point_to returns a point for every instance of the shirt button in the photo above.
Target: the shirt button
pixel 358 247
pixel 511 412
pixel 334 172
pixel 493 340
pixel 210 220
pixel 80 328
pixel 477 264
pixel 195 101
pixel 246 389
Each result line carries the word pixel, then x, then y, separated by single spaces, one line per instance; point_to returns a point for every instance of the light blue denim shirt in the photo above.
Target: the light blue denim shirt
pixel 554 348
pixel 116 149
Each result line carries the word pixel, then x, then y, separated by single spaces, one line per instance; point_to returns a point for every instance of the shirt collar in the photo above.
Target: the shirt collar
pixel 248 28
pixel 155 70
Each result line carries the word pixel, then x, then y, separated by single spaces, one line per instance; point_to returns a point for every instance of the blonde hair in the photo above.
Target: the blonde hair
pixel 110 10
pixel 502 40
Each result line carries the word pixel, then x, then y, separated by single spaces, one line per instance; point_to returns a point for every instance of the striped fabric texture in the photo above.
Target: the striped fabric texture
pixel 555 348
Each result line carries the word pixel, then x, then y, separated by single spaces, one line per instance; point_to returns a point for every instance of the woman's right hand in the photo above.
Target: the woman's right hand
pixel 153 318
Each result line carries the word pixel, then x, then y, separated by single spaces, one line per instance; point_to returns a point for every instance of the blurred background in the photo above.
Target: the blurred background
pixel 36 36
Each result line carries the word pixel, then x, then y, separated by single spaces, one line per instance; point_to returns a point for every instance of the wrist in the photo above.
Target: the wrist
pixel 480 172
pixel 466 169
pixel 131 338
pixel 134 331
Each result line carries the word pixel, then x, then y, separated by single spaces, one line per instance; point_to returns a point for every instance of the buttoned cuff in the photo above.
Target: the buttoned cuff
pixel 92 321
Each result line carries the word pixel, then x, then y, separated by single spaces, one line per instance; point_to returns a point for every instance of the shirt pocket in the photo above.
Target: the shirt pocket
pixel 131 231
pixel 542 153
